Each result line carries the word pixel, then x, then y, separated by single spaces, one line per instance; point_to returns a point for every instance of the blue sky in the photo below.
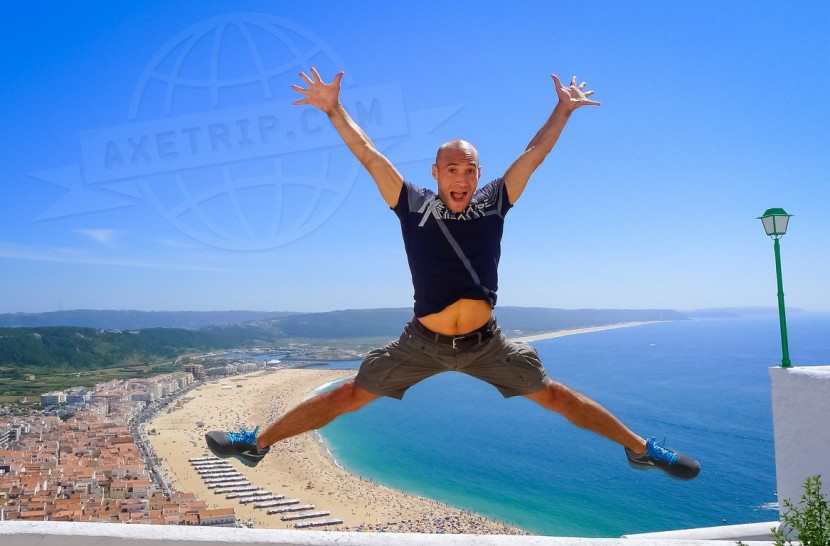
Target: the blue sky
pixel 130 183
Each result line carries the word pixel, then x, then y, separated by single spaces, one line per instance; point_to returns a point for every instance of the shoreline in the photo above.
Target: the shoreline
pixel 576 331
pixel 303 467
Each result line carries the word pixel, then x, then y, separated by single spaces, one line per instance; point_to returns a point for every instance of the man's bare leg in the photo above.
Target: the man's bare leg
pixel 316 413
pixel 586 413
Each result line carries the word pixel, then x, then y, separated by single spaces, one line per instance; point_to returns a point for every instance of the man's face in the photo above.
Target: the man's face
pixel 457 172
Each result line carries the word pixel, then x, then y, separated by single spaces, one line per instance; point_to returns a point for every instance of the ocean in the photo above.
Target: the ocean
pixel 702 385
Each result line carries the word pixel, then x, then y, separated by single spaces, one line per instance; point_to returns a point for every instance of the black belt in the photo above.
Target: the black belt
pixel 470 339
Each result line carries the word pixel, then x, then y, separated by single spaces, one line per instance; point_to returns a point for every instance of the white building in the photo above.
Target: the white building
pixel 54 398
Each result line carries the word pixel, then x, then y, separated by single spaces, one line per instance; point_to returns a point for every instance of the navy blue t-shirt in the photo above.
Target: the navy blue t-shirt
pixel 452 255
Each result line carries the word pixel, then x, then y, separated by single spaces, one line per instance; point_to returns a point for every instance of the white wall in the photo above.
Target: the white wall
pixel 46 533
pixel 801 421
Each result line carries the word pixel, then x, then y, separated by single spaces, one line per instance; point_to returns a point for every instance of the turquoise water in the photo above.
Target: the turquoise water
pixel 702 384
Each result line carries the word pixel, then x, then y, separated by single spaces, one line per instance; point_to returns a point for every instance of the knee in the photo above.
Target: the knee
pixel 555 396
pixel 350 397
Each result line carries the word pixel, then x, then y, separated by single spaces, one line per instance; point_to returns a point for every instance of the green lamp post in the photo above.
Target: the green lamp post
pixel 775 224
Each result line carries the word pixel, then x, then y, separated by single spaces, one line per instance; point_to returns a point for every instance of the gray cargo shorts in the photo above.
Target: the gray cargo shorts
pixel 514 369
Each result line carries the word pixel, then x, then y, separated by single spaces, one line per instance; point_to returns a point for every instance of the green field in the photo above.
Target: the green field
pixel 16 388
pixel 14 399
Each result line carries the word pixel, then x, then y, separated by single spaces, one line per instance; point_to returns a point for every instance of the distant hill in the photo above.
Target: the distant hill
pixel 135 320
pixel 725 312
pixel 77 348
pixel 389 322
pixel 348 323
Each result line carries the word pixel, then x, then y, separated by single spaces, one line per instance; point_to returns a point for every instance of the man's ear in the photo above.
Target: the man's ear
pixel 435 171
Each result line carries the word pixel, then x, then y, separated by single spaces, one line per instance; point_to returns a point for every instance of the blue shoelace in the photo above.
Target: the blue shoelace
pixel 243 436
pixel 659 453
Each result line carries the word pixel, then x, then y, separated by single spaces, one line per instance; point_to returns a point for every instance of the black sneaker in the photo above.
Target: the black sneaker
pixel 241 445
pixel 674 464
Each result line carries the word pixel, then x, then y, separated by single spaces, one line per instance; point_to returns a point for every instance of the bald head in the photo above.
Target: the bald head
pixel 457 146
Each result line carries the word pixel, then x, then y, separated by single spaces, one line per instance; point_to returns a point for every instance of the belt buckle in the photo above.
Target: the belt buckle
pixel 456 339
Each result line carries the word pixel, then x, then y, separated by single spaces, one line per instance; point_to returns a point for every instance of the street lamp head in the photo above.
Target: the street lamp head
pixel 775 222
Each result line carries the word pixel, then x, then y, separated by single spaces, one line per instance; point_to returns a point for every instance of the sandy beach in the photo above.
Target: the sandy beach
pixel 300 467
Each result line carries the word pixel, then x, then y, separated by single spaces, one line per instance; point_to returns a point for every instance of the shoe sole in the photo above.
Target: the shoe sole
pixel 645 467
pixel 238 456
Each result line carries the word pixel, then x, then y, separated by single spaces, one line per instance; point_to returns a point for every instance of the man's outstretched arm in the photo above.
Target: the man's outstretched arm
pixel 570 98
pixel 326 97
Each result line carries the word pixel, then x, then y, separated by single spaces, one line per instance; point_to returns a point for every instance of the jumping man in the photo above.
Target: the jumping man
pixel 453 244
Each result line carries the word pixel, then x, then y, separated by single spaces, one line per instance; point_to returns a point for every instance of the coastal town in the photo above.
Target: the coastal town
pixel 89 467
pixel 84 454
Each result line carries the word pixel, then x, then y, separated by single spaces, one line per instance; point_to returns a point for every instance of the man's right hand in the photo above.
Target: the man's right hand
pixel 326 97
pixel 319 94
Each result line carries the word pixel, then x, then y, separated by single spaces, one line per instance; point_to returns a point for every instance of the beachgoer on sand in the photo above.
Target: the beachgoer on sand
pixel 453 244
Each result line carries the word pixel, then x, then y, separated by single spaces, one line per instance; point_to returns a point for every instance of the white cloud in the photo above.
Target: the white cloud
pixel 103 236
pixel 76 256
